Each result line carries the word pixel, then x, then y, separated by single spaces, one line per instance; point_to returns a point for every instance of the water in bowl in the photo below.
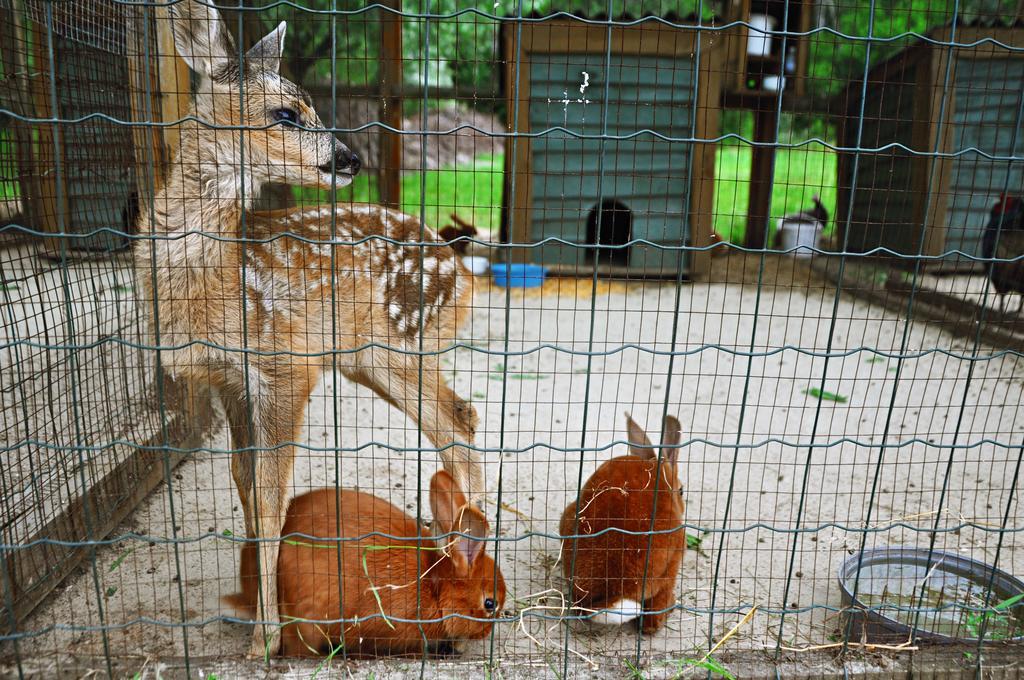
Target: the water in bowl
pixel 899 589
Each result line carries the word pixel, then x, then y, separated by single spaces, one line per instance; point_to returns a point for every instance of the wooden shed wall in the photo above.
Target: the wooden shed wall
pixel 881 183
pixel 86 173
pixel 894 194
pixel 98 155
pixel 882 191
pixel 647 174
pixel 987 116
pixel 552 181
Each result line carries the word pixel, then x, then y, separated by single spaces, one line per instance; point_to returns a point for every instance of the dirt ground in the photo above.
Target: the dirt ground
pixel 782 514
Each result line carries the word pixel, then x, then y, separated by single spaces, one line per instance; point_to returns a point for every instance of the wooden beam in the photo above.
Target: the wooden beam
pixel 791 103
pixel 761 169
pixel 390 161
pixel 952 314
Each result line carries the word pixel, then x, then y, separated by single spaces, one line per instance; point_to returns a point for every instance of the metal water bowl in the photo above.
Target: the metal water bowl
pixel 905 589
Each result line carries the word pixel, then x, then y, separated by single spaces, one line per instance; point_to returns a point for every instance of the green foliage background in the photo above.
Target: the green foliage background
pixel 463 50
pixel 834 60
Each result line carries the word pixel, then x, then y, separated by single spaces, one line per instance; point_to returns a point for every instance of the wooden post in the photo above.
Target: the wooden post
pixel 390 161
pixel 54 215
pixel 144 95
pixel 702 202
pixel 759 207
pixel 174 82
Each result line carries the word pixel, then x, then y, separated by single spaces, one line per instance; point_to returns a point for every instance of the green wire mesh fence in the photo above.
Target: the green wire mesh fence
pixel 253 252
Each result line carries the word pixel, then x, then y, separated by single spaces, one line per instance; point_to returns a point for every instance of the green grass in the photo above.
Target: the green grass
pixel 472 190
pixel 8 183
pixel 799 174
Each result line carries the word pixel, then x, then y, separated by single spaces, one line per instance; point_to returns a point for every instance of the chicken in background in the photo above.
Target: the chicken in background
pixel 463 229
pixel 817 216
pixel 1004 239
pixel 716 250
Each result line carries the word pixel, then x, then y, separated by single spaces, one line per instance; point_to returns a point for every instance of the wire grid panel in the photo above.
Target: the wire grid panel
pixel 80 412
pixel 828 404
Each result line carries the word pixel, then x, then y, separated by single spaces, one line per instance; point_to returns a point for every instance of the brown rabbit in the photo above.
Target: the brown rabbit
pixel 456 575
pixel 609 569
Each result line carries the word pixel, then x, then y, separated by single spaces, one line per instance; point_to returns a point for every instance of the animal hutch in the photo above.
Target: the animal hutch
pixel 80 420
pixel 767 47
pixel 910 200
pixel 579 172
pixel 759 61
pixel 84 64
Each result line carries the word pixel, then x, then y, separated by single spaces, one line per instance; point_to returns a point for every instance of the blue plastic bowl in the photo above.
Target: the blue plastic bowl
pixel 518 275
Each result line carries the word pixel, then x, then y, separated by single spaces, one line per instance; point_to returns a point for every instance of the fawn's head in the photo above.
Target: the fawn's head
pixel 284 139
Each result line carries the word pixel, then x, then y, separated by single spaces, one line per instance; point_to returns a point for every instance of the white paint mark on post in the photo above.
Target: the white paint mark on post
pixel 565 101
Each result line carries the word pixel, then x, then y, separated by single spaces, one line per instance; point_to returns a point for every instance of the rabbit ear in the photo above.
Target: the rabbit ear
pixel 445 501
pixel 466 549
pixel 671 435
pixel 639 444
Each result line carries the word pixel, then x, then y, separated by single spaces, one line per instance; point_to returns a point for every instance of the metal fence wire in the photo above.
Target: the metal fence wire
pixel 320 321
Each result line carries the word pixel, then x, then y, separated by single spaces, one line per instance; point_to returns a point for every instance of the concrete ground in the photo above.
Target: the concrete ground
pixel 750 474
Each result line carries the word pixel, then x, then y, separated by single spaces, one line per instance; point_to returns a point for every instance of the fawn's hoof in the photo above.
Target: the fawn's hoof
pixel 261 648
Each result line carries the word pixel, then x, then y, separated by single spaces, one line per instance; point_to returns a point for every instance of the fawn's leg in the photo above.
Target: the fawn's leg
pixel 239 424
pixel 277 401
pixel 443 416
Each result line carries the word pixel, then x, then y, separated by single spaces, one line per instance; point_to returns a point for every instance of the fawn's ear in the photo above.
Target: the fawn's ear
pixel 671 435
pixel 200 37
pixel 266 54
pixel 639 444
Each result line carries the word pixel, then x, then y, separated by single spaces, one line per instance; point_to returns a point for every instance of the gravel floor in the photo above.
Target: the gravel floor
pixel 739 389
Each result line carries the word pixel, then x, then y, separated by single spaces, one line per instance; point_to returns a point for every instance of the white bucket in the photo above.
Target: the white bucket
pixel 797 233
pixel 476 264
pixel 759 44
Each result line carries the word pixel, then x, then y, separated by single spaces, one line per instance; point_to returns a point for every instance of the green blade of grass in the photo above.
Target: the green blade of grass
pixel 826 395
pixel 710 664
pixel 120 558
pixel 1006 604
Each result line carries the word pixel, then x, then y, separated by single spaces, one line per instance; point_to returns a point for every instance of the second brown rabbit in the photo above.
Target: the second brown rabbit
pixel 610 568
pixel 458 577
